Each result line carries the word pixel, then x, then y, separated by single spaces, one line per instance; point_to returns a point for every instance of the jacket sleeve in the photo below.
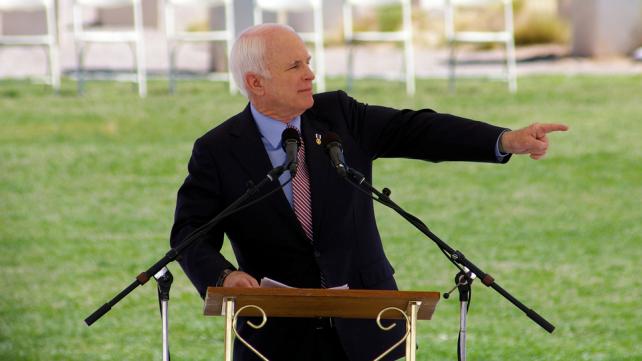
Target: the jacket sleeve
pixel 422 134
pixel 199 201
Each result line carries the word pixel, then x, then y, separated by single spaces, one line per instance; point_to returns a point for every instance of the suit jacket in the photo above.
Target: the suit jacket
pixel 267 239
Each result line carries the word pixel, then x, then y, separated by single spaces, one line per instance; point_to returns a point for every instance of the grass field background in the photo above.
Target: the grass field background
pixel 88 185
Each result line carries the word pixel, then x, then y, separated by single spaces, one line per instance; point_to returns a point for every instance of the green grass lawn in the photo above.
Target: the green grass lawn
pixel 88 185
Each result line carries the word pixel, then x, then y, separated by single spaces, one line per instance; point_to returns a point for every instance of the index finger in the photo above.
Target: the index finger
pixel 553 127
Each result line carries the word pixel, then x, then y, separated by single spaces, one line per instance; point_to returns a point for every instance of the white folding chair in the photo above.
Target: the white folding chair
pixel 177 37
pixel 132 36
pixel 504 36
pixel 49 40
pixel 282 7
pixel 403 36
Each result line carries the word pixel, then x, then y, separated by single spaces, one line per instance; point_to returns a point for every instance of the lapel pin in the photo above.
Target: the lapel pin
pixel 317 136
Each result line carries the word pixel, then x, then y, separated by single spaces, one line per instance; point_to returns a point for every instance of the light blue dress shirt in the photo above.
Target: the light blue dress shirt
pixel 271 130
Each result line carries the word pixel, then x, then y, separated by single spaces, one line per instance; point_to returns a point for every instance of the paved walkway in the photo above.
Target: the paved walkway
pixel 382 60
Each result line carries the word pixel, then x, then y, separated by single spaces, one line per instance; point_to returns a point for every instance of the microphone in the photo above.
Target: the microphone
pixel 332 144
pixel 290 142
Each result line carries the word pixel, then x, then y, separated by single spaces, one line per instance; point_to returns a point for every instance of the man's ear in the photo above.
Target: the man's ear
pixel 254 84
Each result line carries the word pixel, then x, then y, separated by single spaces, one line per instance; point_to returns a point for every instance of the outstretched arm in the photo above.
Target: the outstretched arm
pixel 530 140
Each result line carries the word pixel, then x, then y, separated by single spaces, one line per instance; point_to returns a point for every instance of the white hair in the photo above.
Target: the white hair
pixel 248 53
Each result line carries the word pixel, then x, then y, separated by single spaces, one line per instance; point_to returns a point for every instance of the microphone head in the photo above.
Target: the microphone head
pixel 332 144
pixel 329 138
pixel 290 141
pixel 288 135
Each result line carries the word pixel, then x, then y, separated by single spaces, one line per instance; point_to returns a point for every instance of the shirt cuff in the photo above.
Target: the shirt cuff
pixel 223 276
pixel 498 153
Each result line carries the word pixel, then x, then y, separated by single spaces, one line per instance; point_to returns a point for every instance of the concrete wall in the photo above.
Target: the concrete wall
pixel 33 22
pixel 303 21
pixel 23 23
pixel 606 27
pixel 125 16
pixel 599 27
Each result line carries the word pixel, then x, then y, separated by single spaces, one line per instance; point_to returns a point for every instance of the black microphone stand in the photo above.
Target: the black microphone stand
pixel 173 253
pixel 456 257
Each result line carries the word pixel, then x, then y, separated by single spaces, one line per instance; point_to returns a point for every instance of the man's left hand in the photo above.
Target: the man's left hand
pixel 530 140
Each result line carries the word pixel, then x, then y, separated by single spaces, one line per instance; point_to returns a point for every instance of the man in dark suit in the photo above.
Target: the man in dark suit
pixel 324 235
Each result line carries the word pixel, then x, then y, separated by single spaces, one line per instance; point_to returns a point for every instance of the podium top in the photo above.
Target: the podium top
pixel 308 302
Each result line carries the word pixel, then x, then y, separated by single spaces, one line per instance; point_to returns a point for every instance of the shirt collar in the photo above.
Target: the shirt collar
pixel 271 129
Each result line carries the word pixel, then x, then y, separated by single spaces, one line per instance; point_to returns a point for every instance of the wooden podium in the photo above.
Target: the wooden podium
pixel 304 302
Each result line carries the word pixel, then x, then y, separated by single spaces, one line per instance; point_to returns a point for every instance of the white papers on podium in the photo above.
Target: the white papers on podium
pixel 270 283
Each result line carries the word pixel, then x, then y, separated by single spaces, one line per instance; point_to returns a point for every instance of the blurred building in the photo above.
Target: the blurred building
pixel 598 27
pixel 605 27
pixel 16 23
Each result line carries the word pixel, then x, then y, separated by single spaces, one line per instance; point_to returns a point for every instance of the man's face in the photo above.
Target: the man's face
pixel 288 90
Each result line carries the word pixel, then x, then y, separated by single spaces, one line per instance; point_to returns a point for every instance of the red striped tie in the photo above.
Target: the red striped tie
pixel 301 192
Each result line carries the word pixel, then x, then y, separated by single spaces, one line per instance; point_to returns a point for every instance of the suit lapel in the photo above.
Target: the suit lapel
pixel 318 167
pixel 252 157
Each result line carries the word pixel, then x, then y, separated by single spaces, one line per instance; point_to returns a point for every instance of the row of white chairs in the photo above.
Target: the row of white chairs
pixel 175 38
pixel 50 39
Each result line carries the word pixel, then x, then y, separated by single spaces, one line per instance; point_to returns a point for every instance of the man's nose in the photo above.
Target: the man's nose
pixel 309 75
